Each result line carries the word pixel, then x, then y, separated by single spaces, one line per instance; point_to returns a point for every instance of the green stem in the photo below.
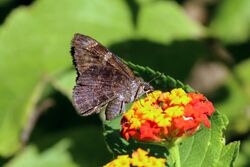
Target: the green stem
pixel 174 152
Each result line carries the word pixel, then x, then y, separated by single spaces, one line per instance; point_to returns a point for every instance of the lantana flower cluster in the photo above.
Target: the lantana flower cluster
pixel 139 158
pixel 164 116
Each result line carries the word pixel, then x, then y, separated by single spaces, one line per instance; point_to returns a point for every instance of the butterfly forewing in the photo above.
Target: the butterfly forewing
pixel 89 95
pixel 87 51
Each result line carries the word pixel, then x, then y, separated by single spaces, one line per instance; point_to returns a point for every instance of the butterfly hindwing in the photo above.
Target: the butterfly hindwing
pixel 96 87
pixel 89 99
pixel 114 108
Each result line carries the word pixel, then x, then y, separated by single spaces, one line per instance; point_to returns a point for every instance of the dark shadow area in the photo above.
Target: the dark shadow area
pixel 238 137
pixel 180 1
pixel 10 5
pixel 175 59
pixel 62 116
pixel 240 52
pixel 134 9
pixel 219 95
pixel 3 161
pixel 85 133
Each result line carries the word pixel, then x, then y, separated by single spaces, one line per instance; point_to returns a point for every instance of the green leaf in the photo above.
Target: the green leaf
pixel 54 156
pixel 4 2
pixel 242 71
pixel 35 44
pixel 232 21
pixel 65 82
pixel 243 158
pixel 229 154
pixel 237 99
pixel 232 97
pixel 87 147
pixel 166 21
pixel 85 133
pixel 205 148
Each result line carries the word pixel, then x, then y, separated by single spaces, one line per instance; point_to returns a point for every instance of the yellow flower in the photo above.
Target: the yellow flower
pixel 129 114
pixel 163 121
pixel 154 95
pixel 150 113
pixel 175 111
pixel 135 123
pixel 157 162
pixel 139 158
pixel 121 161
pixel 179 96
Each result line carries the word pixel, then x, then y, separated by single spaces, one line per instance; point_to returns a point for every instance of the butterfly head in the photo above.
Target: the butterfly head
pixel 147 88
pixel 139 88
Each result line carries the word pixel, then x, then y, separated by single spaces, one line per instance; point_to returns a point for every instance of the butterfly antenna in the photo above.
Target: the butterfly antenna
pixel 155 78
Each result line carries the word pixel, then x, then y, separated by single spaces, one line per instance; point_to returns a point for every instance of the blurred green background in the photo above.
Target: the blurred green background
pixel 205 43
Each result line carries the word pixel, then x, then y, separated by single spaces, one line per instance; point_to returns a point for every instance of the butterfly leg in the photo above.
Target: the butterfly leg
pixel 114 108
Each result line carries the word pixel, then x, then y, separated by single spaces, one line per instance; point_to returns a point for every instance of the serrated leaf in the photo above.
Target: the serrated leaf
pixel 35 44
pixel 243 158
pixel 205 148
pixel 232 21
pixel 158 80
pixel 54 156
pixel 229 154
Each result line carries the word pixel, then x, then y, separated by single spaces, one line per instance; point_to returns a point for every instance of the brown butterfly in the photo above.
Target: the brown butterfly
pixel 102 79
